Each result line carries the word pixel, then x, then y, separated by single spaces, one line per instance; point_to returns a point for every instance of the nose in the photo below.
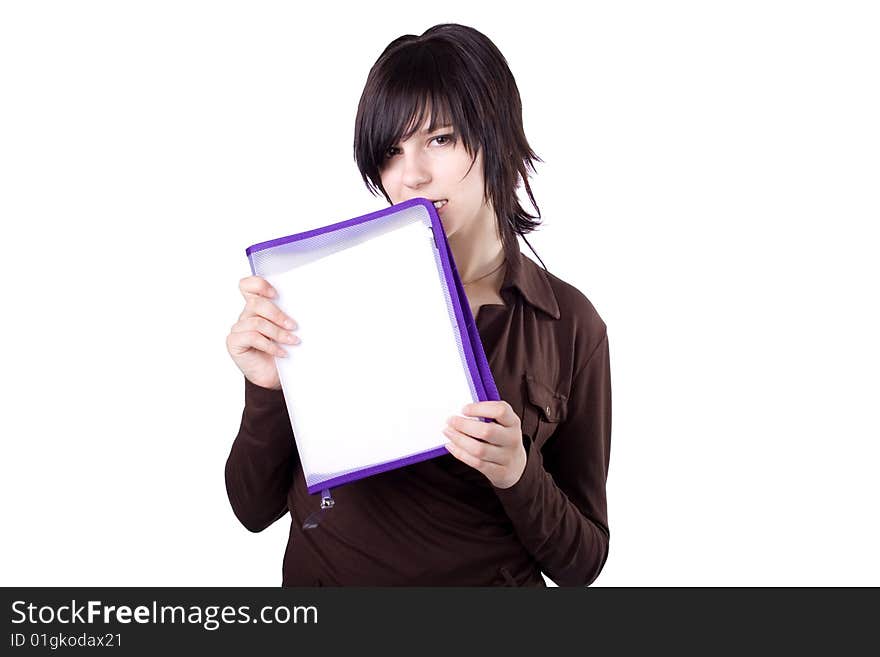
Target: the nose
pixel 415 171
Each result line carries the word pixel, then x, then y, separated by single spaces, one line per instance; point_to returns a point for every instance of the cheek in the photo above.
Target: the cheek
pixel 388 183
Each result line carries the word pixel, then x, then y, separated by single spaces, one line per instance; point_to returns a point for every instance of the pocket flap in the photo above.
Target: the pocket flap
pixel 551 404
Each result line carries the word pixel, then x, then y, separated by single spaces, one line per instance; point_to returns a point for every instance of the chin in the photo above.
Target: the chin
pixel 450 225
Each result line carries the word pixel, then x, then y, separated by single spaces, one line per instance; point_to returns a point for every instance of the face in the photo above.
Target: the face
pixel 435 166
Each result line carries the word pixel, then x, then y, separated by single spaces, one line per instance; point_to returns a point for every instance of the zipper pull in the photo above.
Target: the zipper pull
pixel 315 518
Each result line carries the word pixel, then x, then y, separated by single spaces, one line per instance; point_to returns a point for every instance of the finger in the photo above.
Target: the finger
pixel 256 285
pixel 490 470
pixel 267 328
pixel 262 307
pixel 478 450
pixel 487 431
pixel 240 342
pixel 500 411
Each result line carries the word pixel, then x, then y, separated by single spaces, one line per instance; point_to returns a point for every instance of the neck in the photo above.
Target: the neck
pixel 477 251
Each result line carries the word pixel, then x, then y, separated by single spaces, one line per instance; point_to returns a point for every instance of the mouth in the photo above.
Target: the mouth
pixel 440 203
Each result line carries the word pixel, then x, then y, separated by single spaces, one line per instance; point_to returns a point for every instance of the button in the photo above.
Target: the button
pixel 547 410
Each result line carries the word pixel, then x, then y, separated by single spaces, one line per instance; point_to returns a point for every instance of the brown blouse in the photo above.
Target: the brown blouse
pixel 441 522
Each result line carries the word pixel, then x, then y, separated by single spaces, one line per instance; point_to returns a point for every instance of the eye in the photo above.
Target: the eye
pixel 391 151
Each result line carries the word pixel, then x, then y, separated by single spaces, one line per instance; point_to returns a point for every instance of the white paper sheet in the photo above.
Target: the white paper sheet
pixel 378 369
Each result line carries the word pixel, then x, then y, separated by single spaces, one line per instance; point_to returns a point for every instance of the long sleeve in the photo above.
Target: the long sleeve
pixel 263 459
pixel 558 506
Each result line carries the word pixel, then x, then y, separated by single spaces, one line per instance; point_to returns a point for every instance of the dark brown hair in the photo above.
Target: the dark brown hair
pixel 458 75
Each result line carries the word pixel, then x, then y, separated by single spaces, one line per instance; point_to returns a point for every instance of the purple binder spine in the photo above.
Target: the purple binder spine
pixel 478 366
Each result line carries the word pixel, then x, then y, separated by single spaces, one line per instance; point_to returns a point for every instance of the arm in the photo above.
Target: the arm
pixel 263 459
pixel 558 506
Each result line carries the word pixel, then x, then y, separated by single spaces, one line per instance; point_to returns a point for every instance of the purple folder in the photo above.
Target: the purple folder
pixel 326 254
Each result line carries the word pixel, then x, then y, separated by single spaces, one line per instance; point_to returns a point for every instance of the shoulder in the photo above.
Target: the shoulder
pixel 566 315
pixel 578 316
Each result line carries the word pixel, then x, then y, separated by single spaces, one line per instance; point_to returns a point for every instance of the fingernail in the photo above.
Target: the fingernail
pixel 289 323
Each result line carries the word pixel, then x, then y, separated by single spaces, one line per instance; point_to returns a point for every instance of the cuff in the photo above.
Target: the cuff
pixel 260 398
pixel 525 490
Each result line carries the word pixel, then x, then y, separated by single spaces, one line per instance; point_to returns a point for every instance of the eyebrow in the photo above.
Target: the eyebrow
pixel 439 127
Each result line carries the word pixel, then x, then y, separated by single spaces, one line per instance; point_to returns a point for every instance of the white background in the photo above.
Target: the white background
pixel 710 182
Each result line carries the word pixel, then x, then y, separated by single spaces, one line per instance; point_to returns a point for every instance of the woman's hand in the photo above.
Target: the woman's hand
pixel 494 448
pixel 252 341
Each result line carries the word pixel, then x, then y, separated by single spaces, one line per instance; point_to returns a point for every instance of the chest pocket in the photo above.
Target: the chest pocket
pixel 544 409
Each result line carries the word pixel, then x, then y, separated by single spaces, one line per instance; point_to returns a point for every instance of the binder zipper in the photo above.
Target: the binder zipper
pixel 327 503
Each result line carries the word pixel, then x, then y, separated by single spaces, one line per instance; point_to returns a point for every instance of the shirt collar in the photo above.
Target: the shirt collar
pixel 533 284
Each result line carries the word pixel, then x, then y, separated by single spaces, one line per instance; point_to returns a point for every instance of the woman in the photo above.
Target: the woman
pixel 440 117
